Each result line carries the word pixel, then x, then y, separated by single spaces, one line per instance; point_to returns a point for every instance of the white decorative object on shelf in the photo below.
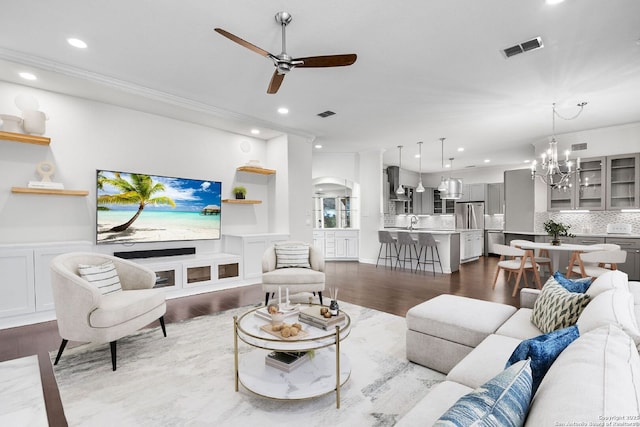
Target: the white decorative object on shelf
pixel 46 170
pixel 33 120
pixel 11 123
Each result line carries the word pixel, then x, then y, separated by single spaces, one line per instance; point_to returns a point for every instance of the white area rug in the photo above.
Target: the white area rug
pixel 21 398
pixel 187 379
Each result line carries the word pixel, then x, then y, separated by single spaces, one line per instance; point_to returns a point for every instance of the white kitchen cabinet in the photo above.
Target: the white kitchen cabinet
pixel 339 244
pixel 318 240
pixel 494 200
pixel 471 245
pixel 251 247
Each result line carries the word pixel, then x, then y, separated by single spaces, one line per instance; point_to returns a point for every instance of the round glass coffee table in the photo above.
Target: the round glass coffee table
pixel 326 371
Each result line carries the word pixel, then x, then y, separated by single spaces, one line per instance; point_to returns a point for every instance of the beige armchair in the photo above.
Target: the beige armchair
pixel 296 279
pixel 84 314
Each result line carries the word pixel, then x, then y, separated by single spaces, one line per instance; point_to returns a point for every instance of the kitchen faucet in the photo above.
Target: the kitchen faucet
pixel 414 221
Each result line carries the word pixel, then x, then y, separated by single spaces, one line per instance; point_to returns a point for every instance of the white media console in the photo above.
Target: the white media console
pixel 25 279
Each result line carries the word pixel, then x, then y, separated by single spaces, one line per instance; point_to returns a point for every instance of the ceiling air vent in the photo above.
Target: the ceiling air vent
pixel 578 147
pixel 532 44
pixel 326 113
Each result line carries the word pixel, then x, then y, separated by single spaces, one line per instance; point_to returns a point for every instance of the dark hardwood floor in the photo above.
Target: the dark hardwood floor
pixel 392 291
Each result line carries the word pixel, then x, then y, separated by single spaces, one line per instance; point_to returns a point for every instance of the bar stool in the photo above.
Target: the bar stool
pixel 406 243
pixel 426 241
pixel 385 238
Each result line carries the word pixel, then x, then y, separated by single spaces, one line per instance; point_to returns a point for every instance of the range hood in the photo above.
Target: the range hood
pixel 393 176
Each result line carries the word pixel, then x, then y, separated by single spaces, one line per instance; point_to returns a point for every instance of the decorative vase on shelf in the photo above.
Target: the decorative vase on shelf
pixel 555 241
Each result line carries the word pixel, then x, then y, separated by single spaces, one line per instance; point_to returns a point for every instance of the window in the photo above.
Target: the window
pixel 335 212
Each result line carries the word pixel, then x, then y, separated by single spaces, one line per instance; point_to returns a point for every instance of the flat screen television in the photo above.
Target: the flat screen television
pixel 139 208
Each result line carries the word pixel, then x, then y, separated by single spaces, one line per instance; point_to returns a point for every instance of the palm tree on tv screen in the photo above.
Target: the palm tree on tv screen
pixel 139 191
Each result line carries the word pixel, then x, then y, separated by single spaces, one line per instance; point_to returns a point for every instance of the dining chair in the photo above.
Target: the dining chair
pixel 594 264
pixel 542 259
pixel 574 262
pixel 515 260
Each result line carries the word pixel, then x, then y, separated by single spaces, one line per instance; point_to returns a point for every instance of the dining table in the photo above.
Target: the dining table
pixel 555 250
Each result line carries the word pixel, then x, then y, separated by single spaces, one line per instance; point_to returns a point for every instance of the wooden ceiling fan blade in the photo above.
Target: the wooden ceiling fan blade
pixel 327 61
pixel 242 42
pixel 276 81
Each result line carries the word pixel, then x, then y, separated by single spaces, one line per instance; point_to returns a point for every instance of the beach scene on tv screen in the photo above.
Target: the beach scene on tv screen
pixel 135 208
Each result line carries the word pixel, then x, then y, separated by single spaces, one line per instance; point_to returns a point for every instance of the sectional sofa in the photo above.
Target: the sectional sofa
pixel 595 380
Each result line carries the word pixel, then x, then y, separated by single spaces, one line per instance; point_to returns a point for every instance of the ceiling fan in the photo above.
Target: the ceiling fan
pixel 285 63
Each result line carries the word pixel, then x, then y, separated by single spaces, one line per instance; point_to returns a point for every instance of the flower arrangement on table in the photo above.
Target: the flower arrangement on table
pixel 556 230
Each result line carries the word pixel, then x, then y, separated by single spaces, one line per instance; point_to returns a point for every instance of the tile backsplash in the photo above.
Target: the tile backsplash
pixel 589 222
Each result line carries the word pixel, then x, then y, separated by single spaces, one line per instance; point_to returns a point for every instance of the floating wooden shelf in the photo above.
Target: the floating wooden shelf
pixel 242 201
pixel 253 169
pixel 24 190
pixel 21 137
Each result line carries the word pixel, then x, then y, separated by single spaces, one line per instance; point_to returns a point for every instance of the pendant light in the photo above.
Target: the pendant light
pixel 420 187
pixel 454 186
pixel 400 190
pixel 443 183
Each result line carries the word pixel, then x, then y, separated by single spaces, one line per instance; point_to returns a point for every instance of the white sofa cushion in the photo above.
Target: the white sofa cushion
pixel 597 376
pixel 611 280
pixel 120 307
pixel 437 402
pixel 484 362
pixel 458 319
pixel 519 326
pixel 613 306
pixel 291 276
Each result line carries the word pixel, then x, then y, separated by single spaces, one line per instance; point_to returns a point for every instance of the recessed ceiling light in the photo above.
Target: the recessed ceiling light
pixel 255 131
pixel 487 160
pixel 28 76
pixel 77 43
pixel 460 149
pixel 417 156
pixel 318 146
pixel 447 165
pixel 527 161
pixel 283 110
pixel 554 1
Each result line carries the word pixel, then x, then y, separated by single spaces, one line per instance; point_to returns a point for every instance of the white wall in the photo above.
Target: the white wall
pixel 87 135
pixel 371 217
pixel 339 165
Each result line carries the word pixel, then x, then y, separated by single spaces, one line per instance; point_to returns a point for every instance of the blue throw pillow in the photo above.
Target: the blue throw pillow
pixel 543 351
pixel 502 401
pixel 578 285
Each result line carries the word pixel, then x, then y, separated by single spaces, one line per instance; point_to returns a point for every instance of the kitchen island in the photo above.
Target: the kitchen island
pixel 448 243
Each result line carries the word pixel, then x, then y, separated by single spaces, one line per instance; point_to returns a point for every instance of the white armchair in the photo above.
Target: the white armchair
pixel 295 278
pixel 84 314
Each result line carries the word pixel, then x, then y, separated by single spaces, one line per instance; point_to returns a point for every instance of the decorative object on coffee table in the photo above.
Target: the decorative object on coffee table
pixel 556 230
pixel 240 192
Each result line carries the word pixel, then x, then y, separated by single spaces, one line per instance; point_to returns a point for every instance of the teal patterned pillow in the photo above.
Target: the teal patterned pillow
pixel 502 401
pixel 557 308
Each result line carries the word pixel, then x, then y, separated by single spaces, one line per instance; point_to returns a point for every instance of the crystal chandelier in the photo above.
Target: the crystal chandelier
pixel 554 171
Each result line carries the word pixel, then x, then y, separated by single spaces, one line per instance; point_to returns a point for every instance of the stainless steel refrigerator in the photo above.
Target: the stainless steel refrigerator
pixel 470 215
